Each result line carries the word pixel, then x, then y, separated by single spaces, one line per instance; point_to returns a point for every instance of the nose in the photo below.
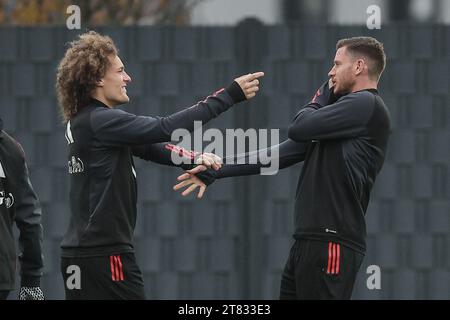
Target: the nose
pixel 332 72
pixel 127 77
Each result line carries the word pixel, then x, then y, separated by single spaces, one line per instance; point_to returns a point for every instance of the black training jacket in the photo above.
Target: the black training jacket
pixel 19 204
pixel 343 146
pixel 103 191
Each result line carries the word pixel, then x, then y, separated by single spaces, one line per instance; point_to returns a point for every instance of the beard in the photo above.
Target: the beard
pixel 344 87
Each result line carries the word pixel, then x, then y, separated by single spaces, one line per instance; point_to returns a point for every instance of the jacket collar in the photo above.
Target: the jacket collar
pixel 373 90
pixel 98 103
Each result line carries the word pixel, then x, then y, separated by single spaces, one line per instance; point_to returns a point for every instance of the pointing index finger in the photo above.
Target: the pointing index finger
pixel 256 75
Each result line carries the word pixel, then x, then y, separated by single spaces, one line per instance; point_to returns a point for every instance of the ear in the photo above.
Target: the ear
pixel 100 83
pixel 359 66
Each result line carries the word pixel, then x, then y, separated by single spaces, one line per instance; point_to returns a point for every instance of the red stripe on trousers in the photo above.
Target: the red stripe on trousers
pixel 338 258
pixel 120 267
pixel 111 261
pixel 116 269
pixel 329 257
pixel 333 263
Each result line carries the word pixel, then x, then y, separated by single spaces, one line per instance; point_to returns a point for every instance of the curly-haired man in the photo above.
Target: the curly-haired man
pixel 102 140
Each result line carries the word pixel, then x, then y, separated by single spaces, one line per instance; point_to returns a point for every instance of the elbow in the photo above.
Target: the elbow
pixel 296 133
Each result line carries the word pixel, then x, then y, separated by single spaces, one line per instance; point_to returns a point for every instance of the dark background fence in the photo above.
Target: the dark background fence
pixel 233 244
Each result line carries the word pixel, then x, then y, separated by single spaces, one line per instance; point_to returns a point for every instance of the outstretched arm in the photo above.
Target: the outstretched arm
pixel 115 127
pixel 171 155
pixel 285 154
pixel 282 155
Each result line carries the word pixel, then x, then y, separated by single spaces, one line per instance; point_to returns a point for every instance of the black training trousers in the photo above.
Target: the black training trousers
pixel 109 277
pixel 4 294
pixel 319 270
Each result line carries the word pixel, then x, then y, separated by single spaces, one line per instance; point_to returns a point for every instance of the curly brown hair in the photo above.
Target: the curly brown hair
pixel 85 62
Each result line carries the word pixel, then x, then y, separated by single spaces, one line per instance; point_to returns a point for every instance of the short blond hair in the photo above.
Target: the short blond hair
pixel 368 47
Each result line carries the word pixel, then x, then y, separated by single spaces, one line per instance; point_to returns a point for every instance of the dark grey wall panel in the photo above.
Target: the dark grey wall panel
pixel 233 244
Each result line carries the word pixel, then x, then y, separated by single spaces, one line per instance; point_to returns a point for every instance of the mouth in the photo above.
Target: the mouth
pixel 124 88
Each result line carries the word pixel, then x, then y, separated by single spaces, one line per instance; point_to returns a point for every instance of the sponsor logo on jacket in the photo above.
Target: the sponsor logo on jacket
pixel 6 199
pixel 75 165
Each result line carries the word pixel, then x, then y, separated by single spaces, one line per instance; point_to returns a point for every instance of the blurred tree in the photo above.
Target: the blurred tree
pixel 168 11
pixel 26 12
pixel 97 12
pixel 2 12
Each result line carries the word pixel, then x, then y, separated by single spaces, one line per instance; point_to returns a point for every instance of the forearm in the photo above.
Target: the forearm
pixel 263 161
pixel 300 129
pixel 31 260
pixel 346 118
pixel 28 220
pixel 311 120
pixel 203 111
pixel 166 154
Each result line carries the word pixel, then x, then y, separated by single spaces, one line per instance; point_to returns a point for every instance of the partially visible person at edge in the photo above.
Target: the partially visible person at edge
pixel 19 204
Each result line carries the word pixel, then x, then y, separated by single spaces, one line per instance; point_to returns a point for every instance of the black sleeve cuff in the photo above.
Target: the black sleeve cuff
pixel 235 92
pixel 208 176
pixel 326 96
pixel 187 166
pixel 30 281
